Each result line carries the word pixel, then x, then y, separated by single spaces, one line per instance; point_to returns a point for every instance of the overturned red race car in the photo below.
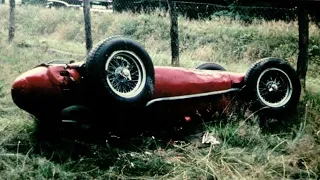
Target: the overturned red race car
pixel 119 84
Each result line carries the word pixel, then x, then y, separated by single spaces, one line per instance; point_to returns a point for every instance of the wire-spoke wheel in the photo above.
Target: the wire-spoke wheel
pixel 274 87
pixel 273 84
pixel 121 70
pixel 125 73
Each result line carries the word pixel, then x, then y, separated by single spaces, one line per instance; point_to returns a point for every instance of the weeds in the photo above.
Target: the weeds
pixel 287 149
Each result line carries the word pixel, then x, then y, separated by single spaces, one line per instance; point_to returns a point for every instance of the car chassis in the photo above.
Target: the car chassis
pixel 119 78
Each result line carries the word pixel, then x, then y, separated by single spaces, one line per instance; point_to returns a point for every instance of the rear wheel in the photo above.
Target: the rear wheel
pixel 274 85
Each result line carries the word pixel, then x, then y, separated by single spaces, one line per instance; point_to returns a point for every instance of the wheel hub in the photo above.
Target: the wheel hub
pixel 123 72
pixel 126 73
pixel 118 71
pixel 273 87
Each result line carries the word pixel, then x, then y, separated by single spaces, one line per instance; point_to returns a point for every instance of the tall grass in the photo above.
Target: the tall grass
pixel 221 40
pixel 281 150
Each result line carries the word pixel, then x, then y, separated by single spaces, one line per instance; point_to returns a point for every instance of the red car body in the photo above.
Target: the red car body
pixel 48 89
pixel 121 87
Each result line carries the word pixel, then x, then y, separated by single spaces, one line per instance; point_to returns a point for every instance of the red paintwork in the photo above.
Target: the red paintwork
pixel 45 80
pixel 35 80
pixel 56 78
pixel 176 81
pixel 43 87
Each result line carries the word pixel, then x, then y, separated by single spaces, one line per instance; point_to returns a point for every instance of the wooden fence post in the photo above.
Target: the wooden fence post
pixel 174 33
pixel 11 20
pixel 302 63
pixel 87 23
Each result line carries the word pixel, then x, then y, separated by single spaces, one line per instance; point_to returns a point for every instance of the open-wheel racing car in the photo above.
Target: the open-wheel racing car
pixel 121 87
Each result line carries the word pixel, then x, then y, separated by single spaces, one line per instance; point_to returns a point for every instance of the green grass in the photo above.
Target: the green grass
pixel 282 150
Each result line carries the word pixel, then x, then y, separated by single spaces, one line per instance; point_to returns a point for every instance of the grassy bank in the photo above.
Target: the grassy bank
pixel 247 151
pixel 221 40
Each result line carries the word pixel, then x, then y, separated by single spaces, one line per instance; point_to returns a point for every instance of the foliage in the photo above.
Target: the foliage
pixel 278 150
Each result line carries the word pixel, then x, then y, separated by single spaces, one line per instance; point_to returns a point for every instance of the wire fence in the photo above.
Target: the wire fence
pixel 191 10
pixel 196 10
pixel 203 11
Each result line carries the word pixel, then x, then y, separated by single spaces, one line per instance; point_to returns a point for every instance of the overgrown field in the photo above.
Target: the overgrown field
pixel 247 151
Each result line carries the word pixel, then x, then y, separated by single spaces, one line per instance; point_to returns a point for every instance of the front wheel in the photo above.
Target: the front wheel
pixel 121 70
pixel 273 85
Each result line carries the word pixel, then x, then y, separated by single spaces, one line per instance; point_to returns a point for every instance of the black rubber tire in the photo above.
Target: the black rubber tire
pixel 272 64
pixel 211 66
pixel 96 73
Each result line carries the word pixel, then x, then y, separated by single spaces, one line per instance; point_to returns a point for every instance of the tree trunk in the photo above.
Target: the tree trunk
pixel 87 23
pixel 174 33
pixel 11 20
pixel 302 64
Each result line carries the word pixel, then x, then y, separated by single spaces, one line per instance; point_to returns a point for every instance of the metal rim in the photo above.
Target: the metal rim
pixel 125 73
pixel 274 87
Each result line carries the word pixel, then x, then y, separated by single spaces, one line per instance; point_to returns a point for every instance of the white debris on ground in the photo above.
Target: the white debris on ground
pixel 208 138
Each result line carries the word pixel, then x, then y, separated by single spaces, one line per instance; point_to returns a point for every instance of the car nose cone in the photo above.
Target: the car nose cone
pixel 30 90
pixel 19 92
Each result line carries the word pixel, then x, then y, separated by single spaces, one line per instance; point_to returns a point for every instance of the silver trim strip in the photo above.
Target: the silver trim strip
pixel 191 96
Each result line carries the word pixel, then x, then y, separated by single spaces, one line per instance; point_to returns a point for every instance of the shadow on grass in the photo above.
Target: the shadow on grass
pixel 87 149
pixel 97 147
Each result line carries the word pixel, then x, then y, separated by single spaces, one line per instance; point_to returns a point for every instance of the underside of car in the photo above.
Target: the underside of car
pixel 119 89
